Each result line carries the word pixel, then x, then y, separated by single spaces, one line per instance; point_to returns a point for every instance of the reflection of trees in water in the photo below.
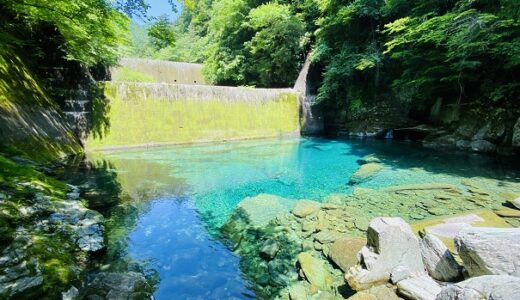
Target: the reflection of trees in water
pixel 120 190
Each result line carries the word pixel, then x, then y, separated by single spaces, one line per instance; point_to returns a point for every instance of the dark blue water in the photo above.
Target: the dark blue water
pixel 191 265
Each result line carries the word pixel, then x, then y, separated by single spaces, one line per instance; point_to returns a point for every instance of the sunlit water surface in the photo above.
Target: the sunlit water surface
pixel 188 192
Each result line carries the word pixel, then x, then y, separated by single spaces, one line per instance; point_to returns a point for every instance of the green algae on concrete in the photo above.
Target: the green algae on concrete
pixel 144 114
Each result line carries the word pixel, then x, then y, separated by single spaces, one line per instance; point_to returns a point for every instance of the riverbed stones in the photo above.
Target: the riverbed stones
pixel 314 270
pixel 343 252
pixel 365 172
pixel 304 208
pixel 483 287
pixel 439 262
pixel 490 251
pixel 391 243
pixel 327 236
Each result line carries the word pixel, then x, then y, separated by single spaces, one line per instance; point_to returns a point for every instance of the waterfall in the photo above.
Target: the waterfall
pixel 76 110
pixel 311 119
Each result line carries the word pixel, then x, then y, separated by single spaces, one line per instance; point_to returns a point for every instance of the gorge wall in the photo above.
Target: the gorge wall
pixel 166 112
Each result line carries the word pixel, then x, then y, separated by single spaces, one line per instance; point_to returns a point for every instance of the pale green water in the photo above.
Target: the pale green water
pixel 191 190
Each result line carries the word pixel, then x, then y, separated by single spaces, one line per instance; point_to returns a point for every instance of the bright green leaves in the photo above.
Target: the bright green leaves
pixel 253 44
pixel 161 33
pixel 92 29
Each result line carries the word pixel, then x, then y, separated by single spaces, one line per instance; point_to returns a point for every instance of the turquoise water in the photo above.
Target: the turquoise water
pixel 188 192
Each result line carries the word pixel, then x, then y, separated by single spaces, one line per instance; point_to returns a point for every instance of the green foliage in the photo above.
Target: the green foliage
pixel 417 51
pixel 92 30
pixel 161 33
pixel 251 44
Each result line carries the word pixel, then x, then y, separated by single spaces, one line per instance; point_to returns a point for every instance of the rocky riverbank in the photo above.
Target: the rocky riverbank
pixel 50 237
pixel 341 247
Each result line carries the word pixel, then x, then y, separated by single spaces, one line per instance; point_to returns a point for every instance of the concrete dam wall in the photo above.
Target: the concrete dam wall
pixel 149 70
pixel 149 114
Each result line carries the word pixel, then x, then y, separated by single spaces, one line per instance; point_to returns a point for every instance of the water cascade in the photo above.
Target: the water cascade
pixel 311 117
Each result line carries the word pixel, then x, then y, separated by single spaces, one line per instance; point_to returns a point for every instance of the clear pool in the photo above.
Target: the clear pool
pixel 185 193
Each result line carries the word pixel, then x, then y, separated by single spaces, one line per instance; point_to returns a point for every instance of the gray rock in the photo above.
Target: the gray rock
pixel 439 262
pixel 269 249
pixel 515 202
pixel 516 134
pixel 483 287
pixel 489 251
pixel 70 294
pixel 400 273
pixel 419 288
pixel 391 243
pixel 110 285
pixel 483 146
pixel 463 145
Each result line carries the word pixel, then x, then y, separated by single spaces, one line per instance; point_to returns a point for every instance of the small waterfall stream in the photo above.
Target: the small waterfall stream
pixel 311 121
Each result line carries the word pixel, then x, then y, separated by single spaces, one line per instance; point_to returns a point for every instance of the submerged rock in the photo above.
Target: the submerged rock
pixel 314 270
pixel 254 213
pixel 365 172
pixel 483 287
pixel 489 251
pixel 391 243
pixel 304 208
pixel 110 285
pixel 439 262
pixel 483 146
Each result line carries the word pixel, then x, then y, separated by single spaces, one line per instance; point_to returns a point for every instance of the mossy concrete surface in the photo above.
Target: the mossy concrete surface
pixel 144 114
pixel 29 119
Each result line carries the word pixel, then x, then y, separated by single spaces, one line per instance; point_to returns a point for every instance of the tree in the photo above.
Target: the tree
pixel 161 33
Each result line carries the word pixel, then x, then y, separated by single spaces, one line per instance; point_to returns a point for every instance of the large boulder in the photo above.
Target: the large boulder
pixel 516 134
pixel 343 252
pixel 439 262
pixel 483 287
pixel 489 251
pixel 365 172
pixel 314 270
pixel 391 243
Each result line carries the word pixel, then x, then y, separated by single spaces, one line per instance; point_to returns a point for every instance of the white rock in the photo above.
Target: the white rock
pixel 391 243
pixel 439 262
pixel 490 251
pixel 419 288
pixel 483 287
